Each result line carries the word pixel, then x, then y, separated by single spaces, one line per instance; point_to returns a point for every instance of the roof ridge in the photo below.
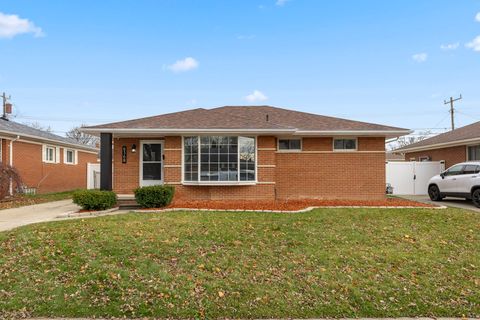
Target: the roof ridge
pixel 311 114
pixel 254 119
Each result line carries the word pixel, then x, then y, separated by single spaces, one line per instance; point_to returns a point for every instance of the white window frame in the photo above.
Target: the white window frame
pixel 218 183
pixel 289 150
pixel 345 150
pixel 424 159
pixel 55 154
pixel 74 157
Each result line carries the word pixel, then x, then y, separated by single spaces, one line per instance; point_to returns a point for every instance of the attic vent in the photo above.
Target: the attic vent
pixel 266 117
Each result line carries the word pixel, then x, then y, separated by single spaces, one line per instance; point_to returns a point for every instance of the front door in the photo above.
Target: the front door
pixel 151 163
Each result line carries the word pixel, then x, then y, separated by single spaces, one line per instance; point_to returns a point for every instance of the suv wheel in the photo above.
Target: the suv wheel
pixel 476 198
pixel 434 193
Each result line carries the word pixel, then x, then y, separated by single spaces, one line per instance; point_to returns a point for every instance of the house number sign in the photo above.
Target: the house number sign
pixel 124 154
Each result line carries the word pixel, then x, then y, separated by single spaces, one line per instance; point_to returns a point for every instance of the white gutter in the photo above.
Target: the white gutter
pixel 352 132
pixel 57 142
pixel 10 188
pixel 292 131
pixel 439 145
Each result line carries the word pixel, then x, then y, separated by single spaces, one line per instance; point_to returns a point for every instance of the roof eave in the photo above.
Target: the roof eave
pixel 438 145
pixel 292 131
pixel 381 133
pixel 52 141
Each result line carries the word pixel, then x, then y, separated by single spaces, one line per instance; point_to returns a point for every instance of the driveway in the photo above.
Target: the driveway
pixel 449 202
pixel 12 218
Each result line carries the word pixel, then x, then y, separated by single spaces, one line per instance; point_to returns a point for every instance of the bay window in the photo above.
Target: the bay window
pixel 216 159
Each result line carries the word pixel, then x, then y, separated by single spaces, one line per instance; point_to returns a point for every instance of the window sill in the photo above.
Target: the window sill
pixel 49 162
pixel 289 150
pixel 70 164
pixel 345 150
pixel 219 183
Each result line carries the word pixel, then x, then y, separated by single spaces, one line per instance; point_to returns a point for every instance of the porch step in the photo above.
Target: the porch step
pixel 127 203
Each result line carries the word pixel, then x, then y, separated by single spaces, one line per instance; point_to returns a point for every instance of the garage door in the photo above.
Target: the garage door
pixel 411 178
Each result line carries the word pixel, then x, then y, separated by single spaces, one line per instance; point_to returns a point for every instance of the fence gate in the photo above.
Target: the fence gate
pixel 93 176
pixel 412 177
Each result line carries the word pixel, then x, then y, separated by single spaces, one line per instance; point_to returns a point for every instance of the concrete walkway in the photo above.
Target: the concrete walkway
pixel 16 217
pixel 449 202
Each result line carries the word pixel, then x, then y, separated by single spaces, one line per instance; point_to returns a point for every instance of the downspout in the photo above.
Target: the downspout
pixel 10 153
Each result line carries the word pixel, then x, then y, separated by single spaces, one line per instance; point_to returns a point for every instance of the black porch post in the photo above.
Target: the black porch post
pixel 105 161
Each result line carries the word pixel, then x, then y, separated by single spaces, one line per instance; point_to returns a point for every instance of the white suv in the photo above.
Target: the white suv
pixel 461 180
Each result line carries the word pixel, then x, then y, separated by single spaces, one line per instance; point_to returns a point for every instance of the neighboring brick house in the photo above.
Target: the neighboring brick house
pixel 45 161
pixel 246 153
pixel 459 145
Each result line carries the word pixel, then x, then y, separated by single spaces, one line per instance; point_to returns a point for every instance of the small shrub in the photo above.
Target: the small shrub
pixel 154 196
pixel 94 199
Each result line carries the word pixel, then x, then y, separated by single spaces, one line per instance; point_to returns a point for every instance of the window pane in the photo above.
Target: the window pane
pixel 350 144
pixel 190 158
pixel 454 170
pixel 470 169
pixel 283 144
pixel 289 144
pixel 70 156
pixel 295 144
pixel 247 158
pixel 338 144
pixel 152 171
pixel 474 153
pixel 344 144
pixel 152 152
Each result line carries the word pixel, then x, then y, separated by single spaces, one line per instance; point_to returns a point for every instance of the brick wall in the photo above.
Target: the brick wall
pixel 316 172
pixel 126 175
pixel 451 155
pixel 48 177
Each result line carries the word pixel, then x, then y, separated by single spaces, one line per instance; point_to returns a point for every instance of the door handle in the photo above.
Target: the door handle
pixel 454 179
pixel 474 177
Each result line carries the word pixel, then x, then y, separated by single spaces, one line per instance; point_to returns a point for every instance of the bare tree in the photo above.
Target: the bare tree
pixel 9 176
pixel 410 139
pixel 38 126
pixel 81 137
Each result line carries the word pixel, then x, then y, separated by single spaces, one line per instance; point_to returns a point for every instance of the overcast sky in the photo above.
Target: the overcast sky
pixel 391 62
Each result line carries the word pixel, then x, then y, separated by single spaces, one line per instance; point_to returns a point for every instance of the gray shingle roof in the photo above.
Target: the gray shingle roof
pixel 471 131
pixel 13 128
pixel 246 117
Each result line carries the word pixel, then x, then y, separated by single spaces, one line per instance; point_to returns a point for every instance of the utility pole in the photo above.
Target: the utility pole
pixel 452 110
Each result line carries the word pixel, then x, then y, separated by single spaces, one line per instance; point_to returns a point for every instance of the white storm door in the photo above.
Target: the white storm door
pixel 151 163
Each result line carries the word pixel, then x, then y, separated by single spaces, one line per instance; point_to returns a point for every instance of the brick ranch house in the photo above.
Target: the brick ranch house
pixel 459 145
pixel 246 153
pixel 45 161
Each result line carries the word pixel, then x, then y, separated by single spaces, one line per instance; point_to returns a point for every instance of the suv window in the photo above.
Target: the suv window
pixel 471 169
pixel 455 170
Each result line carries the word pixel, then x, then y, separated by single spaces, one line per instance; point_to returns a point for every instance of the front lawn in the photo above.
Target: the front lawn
pixel 325 263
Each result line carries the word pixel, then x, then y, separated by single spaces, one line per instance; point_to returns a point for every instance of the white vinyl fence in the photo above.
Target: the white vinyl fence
pixel 411 177
pixel 93 175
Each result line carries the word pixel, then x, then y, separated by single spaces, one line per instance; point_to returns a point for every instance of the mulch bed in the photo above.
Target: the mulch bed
pixel 294 205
